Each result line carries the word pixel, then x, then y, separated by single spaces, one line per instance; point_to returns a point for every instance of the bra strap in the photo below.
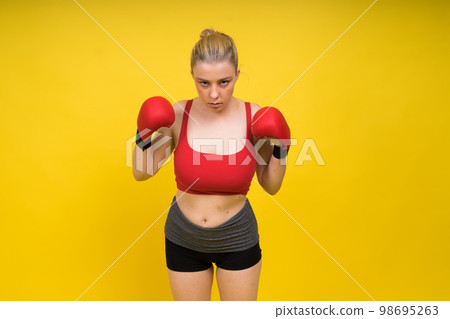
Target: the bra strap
pixel 248 110
pixel 185 119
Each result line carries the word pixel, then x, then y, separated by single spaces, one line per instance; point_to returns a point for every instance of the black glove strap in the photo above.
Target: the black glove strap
pixel 280 153
pixel 141 144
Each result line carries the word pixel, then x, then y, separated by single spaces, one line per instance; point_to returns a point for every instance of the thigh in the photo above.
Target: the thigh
pixel 194 285
pixel 238 274
pixel 190 273
pixel 239 284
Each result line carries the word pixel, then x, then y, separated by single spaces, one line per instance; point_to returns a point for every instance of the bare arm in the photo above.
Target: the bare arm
pixel 270 175
pixel 147 163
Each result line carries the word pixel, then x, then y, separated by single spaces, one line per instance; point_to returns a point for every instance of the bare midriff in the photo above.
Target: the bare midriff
pixel 209 210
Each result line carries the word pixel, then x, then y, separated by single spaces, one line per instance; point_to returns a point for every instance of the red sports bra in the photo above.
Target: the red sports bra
pixel 204 173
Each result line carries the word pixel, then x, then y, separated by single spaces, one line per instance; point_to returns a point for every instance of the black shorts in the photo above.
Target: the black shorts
pixel 179 258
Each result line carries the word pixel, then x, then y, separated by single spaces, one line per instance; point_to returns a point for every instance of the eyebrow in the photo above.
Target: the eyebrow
pixel 227 78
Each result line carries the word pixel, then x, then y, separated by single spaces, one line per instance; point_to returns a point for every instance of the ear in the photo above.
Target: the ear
pixel 192 73
pixel 238 72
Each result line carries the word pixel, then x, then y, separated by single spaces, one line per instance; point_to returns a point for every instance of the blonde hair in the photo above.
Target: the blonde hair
pixel 214 46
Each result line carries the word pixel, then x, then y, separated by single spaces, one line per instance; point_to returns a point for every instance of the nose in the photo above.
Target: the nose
pixel 214 92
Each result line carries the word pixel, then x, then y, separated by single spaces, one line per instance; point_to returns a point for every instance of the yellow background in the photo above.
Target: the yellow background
pixel 375 105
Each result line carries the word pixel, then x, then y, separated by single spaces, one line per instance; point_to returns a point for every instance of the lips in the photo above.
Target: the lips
pixel 215 104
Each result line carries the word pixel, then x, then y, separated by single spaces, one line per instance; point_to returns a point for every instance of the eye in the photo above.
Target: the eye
pixel 223 83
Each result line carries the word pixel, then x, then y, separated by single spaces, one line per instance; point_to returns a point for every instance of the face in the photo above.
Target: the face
pixel 215 83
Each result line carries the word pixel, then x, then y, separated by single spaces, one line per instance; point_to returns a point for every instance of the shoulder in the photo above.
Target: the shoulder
pixel 179 108
pixel 254 107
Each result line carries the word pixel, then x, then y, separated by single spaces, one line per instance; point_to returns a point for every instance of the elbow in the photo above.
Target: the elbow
pixel 140 177
pixel 270 187
pixel 272 191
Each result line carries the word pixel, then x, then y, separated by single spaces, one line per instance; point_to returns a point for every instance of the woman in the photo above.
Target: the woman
pixel 211 219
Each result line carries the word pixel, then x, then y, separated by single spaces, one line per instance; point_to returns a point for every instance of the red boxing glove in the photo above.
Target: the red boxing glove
pixel 269 121
pixel 155 113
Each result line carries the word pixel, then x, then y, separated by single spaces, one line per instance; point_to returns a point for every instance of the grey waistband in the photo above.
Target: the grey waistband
pixel 238 233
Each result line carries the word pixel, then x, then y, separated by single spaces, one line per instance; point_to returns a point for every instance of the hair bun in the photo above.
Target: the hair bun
pixel 207 32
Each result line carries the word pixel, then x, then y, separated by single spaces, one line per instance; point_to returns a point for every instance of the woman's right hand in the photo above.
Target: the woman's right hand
pixel 156 114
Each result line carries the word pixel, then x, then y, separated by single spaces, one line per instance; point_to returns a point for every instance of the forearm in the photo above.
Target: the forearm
pixel 146 163
pixel 140 165
pixel 273 175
